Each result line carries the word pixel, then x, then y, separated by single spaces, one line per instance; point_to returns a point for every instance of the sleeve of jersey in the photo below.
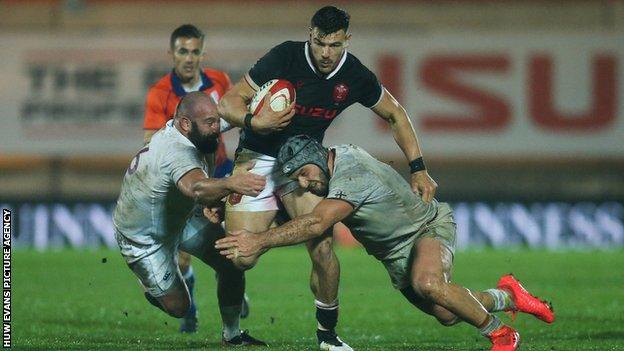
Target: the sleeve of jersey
pixel 154 111
pixel 353 187
pixel 226 81
pixel 270 66
pixel 182 159
pixel 371 89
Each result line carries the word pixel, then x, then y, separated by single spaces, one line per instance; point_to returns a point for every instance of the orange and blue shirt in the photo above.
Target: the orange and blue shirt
pixel 164 96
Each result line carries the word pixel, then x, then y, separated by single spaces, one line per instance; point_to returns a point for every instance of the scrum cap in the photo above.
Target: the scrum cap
pixel 299 151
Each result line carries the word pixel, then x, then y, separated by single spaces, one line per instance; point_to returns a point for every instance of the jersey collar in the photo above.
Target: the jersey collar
pixel 178 89
pixel 332 73
pixel 177 134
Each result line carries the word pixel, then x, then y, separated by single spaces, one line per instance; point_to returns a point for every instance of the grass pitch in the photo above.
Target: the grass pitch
pixel 89 300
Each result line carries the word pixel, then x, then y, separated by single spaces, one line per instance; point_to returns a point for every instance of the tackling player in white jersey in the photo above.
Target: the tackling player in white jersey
pixel 159 211
pixel 414 239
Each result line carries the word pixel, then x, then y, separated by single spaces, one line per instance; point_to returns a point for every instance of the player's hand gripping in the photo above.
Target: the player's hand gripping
pixel 245 182
pixel 268 121
pixel 424 185
pixel 240 243
pixel 214 214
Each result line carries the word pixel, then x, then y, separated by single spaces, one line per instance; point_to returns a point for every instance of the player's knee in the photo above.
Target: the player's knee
pixel 428 286
pixel 176 307
pixel 321 252
pixel 245 263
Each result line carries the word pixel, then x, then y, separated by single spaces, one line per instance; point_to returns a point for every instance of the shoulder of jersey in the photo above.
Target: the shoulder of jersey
pixel 290 45
pixel 353 61
pixel 163 84
pixel 219 76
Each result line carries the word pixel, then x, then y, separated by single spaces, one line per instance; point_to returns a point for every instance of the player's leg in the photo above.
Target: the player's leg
pixel 188 324
pixel 198 239
pixel 325 273
pixel 254 214
pixel 162 281
pixel 254 222
pixel 444 316
pixel 429 282
pixel 509 295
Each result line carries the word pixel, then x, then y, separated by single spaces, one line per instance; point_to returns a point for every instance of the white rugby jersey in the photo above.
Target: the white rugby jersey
pixel 387 215
pixel 149 185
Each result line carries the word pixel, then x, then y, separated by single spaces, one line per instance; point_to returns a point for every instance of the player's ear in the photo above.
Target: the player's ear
pixel 185 123
pixel 347 39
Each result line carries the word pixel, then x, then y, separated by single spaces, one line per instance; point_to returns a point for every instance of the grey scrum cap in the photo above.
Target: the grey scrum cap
pixel 299 151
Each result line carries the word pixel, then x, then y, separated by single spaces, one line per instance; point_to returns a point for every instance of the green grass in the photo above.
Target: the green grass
pixel 72 300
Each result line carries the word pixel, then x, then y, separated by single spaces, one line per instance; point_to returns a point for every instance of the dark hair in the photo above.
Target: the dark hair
pixel 185 31
pixel 330 19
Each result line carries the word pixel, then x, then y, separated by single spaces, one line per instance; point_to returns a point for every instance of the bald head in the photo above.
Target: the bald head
pixel 195 105
pixel 197 119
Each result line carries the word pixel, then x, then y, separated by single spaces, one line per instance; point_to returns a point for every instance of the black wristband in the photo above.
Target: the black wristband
pixel 248 118
pixel 417 165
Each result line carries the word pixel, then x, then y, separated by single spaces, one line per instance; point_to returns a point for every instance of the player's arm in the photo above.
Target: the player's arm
pixel 303 228
pixel 233 109
pixel 403 132
pixel 233 105
pixel 209 191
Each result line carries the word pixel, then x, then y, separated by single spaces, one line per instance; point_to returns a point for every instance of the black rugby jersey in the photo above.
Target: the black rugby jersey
pixel 319 99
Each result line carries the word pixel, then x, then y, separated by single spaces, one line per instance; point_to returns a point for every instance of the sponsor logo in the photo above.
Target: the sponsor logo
pixel 317 112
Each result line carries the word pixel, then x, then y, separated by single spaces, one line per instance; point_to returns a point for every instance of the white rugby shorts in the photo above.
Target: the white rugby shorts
pixel 156 264
pixel 277 184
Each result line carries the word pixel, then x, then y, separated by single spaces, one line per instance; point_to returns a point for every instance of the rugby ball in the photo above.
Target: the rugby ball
pixel 282 93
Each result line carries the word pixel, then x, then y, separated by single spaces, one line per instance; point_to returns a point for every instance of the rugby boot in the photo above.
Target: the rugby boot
pixel 242 340
pixel 504 339
pixel 329 341
pixel 524 301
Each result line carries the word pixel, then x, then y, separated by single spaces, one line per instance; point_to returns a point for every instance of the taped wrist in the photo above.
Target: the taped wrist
pixel 248 118
pixel 417 165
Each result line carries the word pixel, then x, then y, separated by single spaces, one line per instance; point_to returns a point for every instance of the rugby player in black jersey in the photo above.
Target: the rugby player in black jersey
pixel 327 80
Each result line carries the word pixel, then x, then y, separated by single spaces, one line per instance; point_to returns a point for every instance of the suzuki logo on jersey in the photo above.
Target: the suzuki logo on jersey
pixel 319 112
pixel 341 90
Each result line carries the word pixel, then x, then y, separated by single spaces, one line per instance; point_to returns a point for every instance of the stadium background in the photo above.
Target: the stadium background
pixel 519 106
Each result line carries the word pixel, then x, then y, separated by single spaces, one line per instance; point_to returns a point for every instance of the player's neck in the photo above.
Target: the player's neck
pixel 192 83
pixel 189 83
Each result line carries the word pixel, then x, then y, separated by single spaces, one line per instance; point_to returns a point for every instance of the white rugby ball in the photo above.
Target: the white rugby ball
pixel 282 94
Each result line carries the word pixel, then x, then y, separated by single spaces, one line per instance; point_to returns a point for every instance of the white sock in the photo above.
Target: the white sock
pixel 230 315
pixel 493 325
pixel 502 300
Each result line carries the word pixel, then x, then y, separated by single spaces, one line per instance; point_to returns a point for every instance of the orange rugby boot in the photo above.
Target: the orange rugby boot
pixel 504 339
pixel 524 301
